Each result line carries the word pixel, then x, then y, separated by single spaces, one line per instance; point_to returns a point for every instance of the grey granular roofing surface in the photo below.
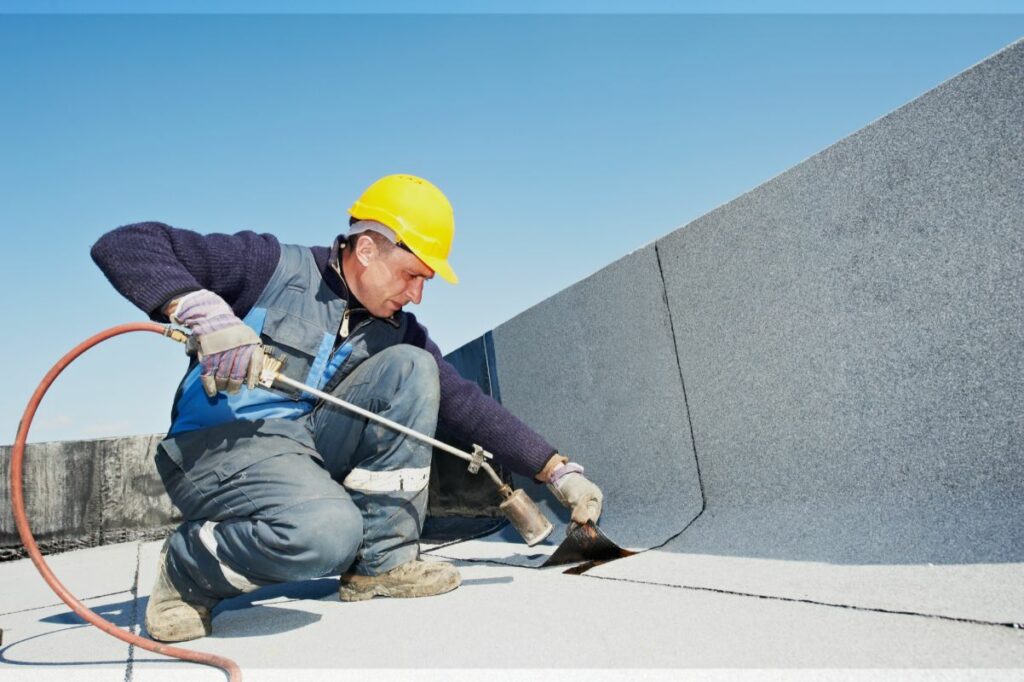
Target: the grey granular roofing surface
pixel 504 617
pixel 594 369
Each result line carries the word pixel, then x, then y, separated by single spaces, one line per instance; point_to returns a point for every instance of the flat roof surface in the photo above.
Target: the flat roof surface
pixel 503 618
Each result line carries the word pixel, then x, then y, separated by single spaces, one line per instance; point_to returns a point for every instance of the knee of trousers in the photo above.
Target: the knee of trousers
pixel 315 537
pixel 412 374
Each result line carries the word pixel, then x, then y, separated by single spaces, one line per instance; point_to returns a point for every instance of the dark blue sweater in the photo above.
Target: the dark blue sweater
pixel 152 263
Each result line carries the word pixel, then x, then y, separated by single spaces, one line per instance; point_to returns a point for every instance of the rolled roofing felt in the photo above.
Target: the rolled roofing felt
pixel 586 544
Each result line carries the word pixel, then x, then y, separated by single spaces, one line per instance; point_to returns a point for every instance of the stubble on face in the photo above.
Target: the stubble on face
pixel 393 280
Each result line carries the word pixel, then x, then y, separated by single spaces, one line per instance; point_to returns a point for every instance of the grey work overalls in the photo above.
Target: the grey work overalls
pixel 277 487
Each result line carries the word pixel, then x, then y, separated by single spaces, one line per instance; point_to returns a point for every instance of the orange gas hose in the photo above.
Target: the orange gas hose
pixel 20 519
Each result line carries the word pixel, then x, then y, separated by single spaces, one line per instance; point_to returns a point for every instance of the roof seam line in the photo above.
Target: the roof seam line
pixel 682 382
pixel 60 603
pixel 133 624
pixel 853 607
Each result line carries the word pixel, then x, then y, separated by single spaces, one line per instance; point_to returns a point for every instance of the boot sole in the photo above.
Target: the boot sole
pixel 172 635
pixel 350 592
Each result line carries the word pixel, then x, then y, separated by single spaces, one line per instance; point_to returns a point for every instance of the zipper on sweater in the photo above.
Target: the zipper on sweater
pixel 343 332
pixel 362 324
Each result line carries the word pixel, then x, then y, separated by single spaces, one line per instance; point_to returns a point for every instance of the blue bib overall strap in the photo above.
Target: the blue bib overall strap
pixel 193 409
pixel 297 317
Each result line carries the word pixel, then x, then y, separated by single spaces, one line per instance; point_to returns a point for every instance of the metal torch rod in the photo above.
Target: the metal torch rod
pixel 288 381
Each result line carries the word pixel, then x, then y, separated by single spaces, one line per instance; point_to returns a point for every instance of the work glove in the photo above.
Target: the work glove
pixel 229 350
pixel 570 487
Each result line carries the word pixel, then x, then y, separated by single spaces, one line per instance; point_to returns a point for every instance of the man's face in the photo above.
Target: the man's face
pixel 391 280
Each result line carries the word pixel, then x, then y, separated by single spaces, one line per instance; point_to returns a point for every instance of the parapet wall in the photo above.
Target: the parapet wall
pixel 834 359
pixel 851 337
pixel 85 493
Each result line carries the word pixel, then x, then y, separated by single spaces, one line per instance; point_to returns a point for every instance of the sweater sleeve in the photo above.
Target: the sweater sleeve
pixel 476 417
pixel 151 263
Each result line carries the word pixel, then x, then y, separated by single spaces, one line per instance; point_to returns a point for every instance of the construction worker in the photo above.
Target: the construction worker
pixel 275 485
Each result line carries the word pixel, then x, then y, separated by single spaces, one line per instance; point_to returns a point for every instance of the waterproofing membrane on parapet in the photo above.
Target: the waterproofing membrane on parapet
pixel 851 338
pixel 455 493
pixel 476 361
pixel 82 493
pixel 851 335
pixel 593 370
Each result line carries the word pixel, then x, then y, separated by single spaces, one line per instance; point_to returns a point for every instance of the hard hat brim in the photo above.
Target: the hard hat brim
pixel 440 267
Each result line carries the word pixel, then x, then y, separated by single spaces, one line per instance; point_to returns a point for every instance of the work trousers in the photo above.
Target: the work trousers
pixel 277 500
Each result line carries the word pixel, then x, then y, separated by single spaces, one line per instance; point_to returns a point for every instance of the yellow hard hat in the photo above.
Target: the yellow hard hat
pixel 419 214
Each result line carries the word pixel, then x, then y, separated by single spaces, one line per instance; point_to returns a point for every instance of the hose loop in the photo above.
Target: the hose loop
pixel 21 520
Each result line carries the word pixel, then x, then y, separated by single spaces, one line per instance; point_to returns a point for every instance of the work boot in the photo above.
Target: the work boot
pixel 169 618
pixel 414 579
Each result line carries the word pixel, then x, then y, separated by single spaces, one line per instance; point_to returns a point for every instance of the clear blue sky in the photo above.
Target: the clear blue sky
pixel 563 141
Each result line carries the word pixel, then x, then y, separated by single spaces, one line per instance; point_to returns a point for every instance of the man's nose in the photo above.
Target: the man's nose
pixel 415 291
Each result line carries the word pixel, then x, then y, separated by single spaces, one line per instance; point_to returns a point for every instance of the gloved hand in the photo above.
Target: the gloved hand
pixel 570 487
pixel 229 350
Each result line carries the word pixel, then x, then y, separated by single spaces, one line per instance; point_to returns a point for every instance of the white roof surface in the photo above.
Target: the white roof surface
pixel 504 622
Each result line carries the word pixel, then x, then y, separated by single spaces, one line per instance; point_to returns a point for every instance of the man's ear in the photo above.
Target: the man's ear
pixel 366 250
